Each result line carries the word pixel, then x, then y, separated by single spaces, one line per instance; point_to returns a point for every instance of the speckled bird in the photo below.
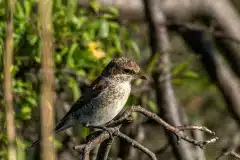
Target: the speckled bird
pixel 105 98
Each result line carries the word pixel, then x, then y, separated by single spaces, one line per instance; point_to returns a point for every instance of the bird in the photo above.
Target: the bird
pixel 105 97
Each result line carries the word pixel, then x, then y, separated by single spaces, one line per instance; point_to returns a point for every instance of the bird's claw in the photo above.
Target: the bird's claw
pixel 104 129
pixel 109 132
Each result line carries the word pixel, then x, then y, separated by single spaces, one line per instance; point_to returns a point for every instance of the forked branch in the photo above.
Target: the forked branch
pixel 229 153
pixel 113 127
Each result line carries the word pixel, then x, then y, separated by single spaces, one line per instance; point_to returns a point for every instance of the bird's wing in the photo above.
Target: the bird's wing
pixel 96 87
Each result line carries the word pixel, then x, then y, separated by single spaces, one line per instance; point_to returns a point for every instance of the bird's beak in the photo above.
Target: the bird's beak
pixel 141 76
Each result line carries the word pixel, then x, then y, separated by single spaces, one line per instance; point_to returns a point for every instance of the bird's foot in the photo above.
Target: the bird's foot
pixel 104 129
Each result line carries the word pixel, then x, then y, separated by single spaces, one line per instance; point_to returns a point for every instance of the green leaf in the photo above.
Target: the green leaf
pixel 21 155
pixel 85 132
pixel 180 68
pixel 27 8
pixel 58 58
pixel 114 25
pixel 190 74
pixel 71 7
pixel 19 11
pixel 152 106
pixel 26 112
pixel 32 39
pixel 86 36
pixel 57 144
pixel 70 60
pixel 81 72
pixel 95 5
pixel 104 29
pixel 114 11
pixel 107 16
pixel 79 21
pixel 37 59
pixel 72 83
pixel 135 48
pixel 177 81
pixel 32 101
pixel 117 43
pixel 151 65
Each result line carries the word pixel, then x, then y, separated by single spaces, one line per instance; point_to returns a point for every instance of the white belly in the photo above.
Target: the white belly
pixel 111 109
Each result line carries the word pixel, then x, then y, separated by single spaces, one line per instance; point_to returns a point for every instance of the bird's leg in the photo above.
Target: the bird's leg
pixel 104 129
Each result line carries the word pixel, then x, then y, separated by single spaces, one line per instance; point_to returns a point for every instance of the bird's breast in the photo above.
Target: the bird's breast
pixel 108 104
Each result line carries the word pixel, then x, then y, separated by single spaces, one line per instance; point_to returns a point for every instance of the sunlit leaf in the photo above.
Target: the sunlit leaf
pixel 135 48
pixel 177 81
pixel 20 10
pixel 152 106
pixel 117 43
pixel 85 132
pixel 70 60
pixel 113 10
pixel 95 5
pixel 26 112
pixel 27 8
pixel 104 29
pixel 32 39
pixel 180 68
pixel 21 154
pixel 57 144
pixel 74 86
pixel 190 74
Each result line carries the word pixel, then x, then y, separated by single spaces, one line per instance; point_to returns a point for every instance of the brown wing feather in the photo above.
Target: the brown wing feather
pixel 96 87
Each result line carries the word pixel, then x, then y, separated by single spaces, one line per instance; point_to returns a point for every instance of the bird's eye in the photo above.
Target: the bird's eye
pixel 127 71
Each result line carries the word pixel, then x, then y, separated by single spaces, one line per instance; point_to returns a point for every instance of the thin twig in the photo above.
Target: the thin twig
pixel 91 144
pixel 113 128
pixel 104 149
pixel 137 145
pixel 232 145
pixel 175 130
pixel 105 135
pixel 196 127
pixel 229 153
pixel 217 33
pixel 163 149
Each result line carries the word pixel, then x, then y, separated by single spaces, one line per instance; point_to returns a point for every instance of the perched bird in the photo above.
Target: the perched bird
pixel 105 98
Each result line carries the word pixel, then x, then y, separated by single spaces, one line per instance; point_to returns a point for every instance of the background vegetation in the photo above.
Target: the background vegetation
pixel 85 40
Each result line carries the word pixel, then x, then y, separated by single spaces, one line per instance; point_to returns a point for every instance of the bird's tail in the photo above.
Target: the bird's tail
pixel 61 125
pixel 34 144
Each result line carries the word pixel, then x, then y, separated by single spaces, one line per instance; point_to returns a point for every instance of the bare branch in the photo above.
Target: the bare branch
pixel 229 153
pixel 105 135
pixel 182 27
pixel 104 149
pixel 137 145
pixel 217 69
pixel 176 130
pixel 102 135
pixel 8 98
pixel 46 49
pixel 196 127
pixel 96 138
pixel 232 145
pixel 228 20
pixel 166 99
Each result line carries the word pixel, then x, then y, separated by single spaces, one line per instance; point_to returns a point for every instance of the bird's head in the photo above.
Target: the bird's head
pixel 122 69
